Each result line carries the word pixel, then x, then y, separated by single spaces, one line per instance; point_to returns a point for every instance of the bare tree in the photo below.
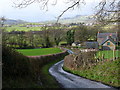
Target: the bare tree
pixel 46 37
pixel 82 33
pixel 107 11
pixel 3 31
pixel 44 4
pixel 2 20
pixel 57 34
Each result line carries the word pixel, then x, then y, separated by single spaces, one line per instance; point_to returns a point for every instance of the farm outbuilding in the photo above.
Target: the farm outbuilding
pixel 76 44
pixel 91 45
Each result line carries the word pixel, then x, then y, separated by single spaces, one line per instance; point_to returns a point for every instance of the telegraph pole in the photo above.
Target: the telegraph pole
pixel 118 30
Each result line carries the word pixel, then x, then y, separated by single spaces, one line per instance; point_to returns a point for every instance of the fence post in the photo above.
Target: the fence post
pixel 113 54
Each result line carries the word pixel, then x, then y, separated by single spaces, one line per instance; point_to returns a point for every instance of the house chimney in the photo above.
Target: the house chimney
pixel 98 33
pixel 110 34
pixel 108 37
pixel 117 36
pixel 116 33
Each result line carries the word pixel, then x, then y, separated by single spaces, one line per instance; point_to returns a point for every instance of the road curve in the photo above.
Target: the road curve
pixel 68 80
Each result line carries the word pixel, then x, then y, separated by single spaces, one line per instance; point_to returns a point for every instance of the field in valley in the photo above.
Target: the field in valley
pixel 40 51
pixel 18 28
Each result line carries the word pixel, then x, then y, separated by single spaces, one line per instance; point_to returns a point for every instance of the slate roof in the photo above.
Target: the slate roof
pixel 103 37
pixel 92 44
pixel 76 43
pixel 108 38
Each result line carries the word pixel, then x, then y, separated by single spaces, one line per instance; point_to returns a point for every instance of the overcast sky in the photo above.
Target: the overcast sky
pixel 33 13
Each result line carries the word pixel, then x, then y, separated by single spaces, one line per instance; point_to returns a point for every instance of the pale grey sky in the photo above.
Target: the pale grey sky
pixel 33 13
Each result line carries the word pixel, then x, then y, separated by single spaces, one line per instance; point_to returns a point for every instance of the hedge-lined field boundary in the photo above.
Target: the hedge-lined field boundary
pixel 36 62
pixel 21 71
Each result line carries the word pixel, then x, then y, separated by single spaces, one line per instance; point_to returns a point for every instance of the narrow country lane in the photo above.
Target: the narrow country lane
pixel 68 80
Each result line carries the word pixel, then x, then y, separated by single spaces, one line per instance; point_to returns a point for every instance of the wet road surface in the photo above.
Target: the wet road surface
pixel 68 80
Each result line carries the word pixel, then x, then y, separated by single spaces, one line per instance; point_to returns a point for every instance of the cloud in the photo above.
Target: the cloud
pixel 33 12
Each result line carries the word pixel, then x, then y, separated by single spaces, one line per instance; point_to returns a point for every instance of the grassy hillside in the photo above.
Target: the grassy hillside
pixel 75 19
pixel 14 22
pixel 105 72
pixel 41 51
pixel 108 54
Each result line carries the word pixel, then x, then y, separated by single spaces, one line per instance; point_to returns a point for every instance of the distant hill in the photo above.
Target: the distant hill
pixel 76 19
pixel 14 22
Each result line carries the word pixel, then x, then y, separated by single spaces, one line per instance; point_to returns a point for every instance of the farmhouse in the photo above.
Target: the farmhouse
pixel 76 44
pixel 107 41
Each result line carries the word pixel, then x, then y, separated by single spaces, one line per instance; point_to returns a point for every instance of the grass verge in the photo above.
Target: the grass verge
pixel 107 73
pixel 49 81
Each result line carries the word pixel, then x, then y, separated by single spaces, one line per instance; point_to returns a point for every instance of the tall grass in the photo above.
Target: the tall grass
pixel 107 72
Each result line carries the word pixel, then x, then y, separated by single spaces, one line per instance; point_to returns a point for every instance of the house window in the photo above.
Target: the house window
pixel 108 43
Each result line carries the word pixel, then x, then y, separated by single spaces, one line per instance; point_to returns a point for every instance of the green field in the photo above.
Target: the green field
pixel 18 28
pixel 108 54
pixel 41 51
pixel 21 28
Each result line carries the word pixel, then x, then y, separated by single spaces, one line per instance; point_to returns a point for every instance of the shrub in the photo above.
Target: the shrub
pixel 37 62
pixel 80 61
pixel 14 64
pixel 21 71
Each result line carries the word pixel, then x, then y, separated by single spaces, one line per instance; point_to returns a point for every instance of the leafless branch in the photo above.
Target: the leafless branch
pixel 24 3
pixel 55 2
pixel 72 6
pixel 104 12
pixel 108 10
pixel 44 4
